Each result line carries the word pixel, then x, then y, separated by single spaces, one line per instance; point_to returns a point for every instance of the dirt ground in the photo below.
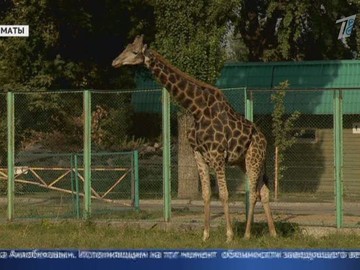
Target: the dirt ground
pixel 313 217
pixel 322 214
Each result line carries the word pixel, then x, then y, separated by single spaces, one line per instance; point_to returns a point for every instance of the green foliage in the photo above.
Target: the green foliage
pixel 295 30
pixel 70 46
pixel 282 126
pixel 110 127
pixel 23 61
pixel 191 33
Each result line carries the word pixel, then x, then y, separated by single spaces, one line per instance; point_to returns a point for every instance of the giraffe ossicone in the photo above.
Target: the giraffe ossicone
pixel 219 135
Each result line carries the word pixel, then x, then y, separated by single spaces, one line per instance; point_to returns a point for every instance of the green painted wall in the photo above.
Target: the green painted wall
pixel 265 76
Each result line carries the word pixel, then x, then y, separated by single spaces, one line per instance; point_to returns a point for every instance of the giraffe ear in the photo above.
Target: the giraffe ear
pixel 144 48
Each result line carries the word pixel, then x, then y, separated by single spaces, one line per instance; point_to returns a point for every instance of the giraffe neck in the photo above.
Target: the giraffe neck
pixel 193 95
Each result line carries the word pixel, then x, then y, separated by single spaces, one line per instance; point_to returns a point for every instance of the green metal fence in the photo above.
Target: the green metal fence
pixel 67 152
pixel 56 165
pixel 316 173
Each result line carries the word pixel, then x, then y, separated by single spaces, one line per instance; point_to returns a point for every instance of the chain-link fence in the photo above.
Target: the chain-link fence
pixel 305 185
pixel 49 169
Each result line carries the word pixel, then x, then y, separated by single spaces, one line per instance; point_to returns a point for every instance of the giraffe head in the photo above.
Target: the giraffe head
pixel 132 55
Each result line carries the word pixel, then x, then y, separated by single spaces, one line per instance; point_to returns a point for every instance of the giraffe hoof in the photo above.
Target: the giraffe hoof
pixel 205 236
pixel 229 239
pixel 273 234
pixel 247 236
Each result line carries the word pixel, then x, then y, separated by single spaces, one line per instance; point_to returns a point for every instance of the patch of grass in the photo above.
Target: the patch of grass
pixel 128 214
pixel 89 235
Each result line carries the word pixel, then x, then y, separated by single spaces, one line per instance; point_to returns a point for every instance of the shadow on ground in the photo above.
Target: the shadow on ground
pixel 258 229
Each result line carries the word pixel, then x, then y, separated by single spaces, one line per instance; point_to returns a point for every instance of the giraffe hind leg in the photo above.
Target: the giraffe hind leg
pixel 264 196
pixel 206 191
pixel 254 164
pixel 252 202
pixel 259 189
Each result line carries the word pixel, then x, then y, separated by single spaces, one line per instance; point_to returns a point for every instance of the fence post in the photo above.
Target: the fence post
pixel 338 157
pixel 166 154
pixel 136 180
pixel 10 154
pixel 87 153
pixel 249 114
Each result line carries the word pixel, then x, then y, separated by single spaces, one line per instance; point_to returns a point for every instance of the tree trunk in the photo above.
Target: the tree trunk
pixel 188 176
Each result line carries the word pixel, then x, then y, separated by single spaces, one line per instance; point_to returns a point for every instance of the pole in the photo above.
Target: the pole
pixel 249 114
pixel 10 154
pixel 338 157
pixel 166 154
pixel 87 154
pixel 136 180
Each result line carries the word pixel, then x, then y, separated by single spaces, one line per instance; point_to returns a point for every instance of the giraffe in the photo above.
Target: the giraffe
pixel 218 136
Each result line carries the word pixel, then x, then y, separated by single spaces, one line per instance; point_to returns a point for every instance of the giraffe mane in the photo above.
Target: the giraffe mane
pixel 182 73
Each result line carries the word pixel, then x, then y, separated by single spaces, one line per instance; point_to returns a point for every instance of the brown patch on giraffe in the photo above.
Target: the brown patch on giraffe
pixel 168 86
pixel 200 101
pixel 174 90
pixel 219 137
pixel 172 78
pixel 181 96
pixel 205 121
pixel 156 71
pixel 191 90
pixel 163 77
pixel 198 92
pixel 182 84
pixel 211 100
pixel 162 67
pixel 236 133
pixel 217 124
pixel 187 102
pixel 207 112
pixel 193 108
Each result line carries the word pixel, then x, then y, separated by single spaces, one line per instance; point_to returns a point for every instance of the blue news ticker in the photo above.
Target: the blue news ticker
pixel 138 259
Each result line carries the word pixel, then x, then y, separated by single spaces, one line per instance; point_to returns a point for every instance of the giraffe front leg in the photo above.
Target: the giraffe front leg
pixel 253 172
pixel 206 191
pixel 224 197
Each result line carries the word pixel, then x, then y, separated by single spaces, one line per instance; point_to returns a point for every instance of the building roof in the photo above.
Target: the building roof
pixel 310 82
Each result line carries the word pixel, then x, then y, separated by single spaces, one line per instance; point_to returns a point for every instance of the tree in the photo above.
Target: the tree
pixel 282 127
pixel 294 30
pixel 190 34
pixel 71 46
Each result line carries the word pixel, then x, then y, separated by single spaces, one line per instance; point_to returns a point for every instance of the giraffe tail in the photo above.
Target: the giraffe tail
pixel 266 180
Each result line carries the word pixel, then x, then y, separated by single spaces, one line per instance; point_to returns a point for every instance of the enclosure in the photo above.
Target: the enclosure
pixel 104 154
pixel 118 155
